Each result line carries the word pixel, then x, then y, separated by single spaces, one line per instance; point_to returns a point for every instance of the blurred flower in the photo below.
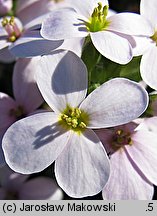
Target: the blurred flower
pixel 65 135
pixel 27 97
pixel 132 149
pixel 110 35
pixel 15 186
pixel 5 6
pixel 147 46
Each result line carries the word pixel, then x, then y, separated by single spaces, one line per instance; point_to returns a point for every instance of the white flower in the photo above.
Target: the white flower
pixel 110 35
pixel 65 135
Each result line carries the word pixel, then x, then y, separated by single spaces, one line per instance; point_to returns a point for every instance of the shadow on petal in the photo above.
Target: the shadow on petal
pixel 47 135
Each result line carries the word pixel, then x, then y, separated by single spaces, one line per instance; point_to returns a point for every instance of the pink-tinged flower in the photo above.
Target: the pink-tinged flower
pixel 27 97
pixel 65 135
pixel 25 9
pixel 24 40
pixel 147 46
pixel 5 6
pixel 110 35
pixel 133 159
pixel 20 36
pixel 15 186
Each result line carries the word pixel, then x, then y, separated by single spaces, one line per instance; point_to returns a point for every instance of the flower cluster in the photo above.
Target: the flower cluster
pixel 82 100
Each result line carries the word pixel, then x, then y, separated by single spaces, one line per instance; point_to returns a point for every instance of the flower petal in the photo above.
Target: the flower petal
pixel 6 56
pixel 32 44
pixel 124 182
pixel 148 67
pixel 116 102
pixel 33 143
pixel 131 24
pixel 24 84
pixel 148 9
pixel 142 44
pixel 6 105
pixel 74 44
pixel 48 190
pixel 144 153
pixel 82 169
pixel 63 82
pixel 86 7
pixel 112 46
pixel 63 24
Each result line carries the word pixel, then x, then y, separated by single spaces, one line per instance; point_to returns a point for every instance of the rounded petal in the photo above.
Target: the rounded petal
pixel 143 152
pixel 6 105
pixel 63 82
pixel 33 143
pixel 112 46
pixel 116 102
pixel 24 84
pixel 25 11
pixel 148 67
pixel 124 182
pixel 148 9
pixel 131 24
pixel 63 24
pixel 86 7
pixel 149 124
pixel 82 169
pixel 40 188
pixel 32 44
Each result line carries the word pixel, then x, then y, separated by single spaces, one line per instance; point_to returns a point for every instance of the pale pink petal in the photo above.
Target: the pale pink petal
pixel 40 188
pixel 148 67
pixel 149 10
pixel 33 9
pixel 124 182
pixel 130 23
pixel 82 169
pixel 112 46
pixel 63 24
pixel 25 88
pixel 149 124
pixel 143 152
pixel 63 82
pixel 6 105
pixel 116 102
pixel 33 143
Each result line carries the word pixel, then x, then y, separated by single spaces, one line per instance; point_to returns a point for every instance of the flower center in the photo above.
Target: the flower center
pixel 11 28
pixel 121 138
pixel 74 119
pixel 17 113
pixel 97 21
pixel 154 37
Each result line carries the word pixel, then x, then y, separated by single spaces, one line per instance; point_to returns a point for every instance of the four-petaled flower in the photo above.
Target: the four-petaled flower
pixel 65 135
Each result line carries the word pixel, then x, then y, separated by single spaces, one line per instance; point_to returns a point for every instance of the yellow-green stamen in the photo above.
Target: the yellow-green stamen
pixel 74 119
pixel 98 21
pixel 121 138
pixel 11 28
pixel 154 37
